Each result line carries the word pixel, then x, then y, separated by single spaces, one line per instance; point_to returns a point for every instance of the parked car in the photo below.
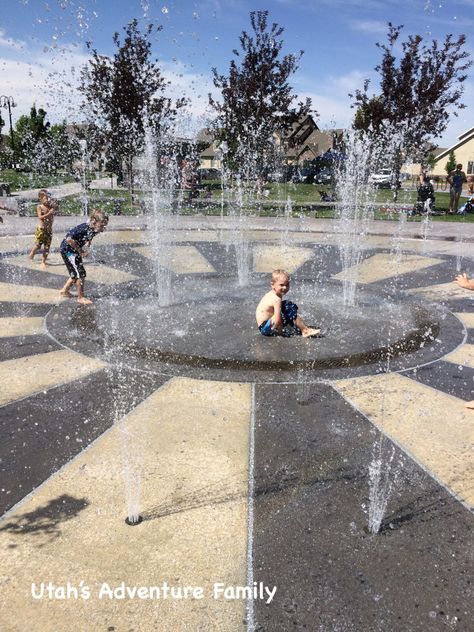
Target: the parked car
pixel 206 173
pixel 307 175
pixel 382 179
pixel 276 176
pixel 323 177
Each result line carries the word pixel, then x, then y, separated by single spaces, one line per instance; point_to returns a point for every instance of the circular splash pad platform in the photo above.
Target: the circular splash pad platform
pixel 217 337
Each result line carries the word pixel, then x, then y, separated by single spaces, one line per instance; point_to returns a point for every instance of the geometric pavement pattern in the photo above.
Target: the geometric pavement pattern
pixel 240 484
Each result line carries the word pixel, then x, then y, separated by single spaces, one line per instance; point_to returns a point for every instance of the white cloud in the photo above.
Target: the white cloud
pixel 8 42
pixel 372 27
pixel 43 75
pixel 50 78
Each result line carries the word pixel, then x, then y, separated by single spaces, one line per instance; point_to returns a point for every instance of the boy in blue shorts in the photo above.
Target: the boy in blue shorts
pixel 276 317
pixel 74 247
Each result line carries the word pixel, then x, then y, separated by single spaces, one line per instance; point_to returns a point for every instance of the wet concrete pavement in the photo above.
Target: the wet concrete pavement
pixel 242 480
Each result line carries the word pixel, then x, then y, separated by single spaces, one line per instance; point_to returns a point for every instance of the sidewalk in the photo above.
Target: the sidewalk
pixel 63 190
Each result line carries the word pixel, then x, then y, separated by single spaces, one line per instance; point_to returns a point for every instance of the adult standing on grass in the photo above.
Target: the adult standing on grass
pixel 456 179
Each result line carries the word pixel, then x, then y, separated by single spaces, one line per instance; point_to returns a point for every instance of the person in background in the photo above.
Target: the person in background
pixel 456 179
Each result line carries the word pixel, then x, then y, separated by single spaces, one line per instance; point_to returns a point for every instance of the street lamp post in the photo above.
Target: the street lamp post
pixel 8 102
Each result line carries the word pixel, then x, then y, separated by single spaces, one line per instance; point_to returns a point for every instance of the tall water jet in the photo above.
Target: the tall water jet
pixel 285 233
pixel 84 184
pixel 159 175
pixel 130 441
pixel 354 208
pixel 243 252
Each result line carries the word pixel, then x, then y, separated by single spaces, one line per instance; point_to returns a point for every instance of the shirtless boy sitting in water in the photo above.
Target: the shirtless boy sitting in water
pixel 276 317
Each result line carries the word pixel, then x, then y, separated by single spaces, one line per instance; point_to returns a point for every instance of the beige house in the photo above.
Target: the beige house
pixel 463 151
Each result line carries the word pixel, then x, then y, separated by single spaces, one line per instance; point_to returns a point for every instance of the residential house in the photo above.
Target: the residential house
pixel 304 142
pixel 463 151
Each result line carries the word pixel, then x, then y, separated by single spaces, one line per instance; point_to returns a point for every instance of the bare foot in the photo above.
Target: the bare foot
pixel 470 404
pixel 31 257
pixel 65 293
pixel 44 264
pixel 84 301
pixel 308 332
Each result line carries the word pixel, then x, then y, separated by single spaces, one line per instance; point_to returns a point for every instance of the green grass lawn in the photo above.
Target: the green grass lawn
pixel 305 200
pixel 20 181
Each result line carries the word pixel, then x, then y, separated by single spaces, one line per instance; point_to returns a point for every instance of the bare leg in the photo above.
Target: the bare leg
pixel 45 256
pixel 34 250
pixel 306 331
pixel 64 291
pixel 456 201
pixel 452 200
pixel 80 294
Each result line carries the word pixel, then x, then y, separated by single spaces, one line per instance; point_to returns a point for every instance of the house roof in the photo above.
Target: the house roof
pixel 469 131
pixel 463 139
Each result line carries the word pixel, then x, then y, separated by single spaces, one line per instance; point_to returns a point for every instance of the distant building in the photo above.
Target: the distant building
pixel 304 142
pixel 463 151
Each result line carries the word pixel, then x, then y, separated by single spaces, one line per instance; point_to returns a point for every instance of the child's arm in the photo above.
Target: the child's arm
pixel 464 282
pixel 75 246
pixel 43 211
pixel 277 314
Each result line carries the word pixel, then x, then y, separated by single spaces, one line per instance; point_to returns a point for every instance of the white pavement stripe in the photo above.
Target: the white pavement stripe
pixel 463 356
pixel 433 427
pixel 193 462
pixel 23 377
pixel 17 293
pixel 21 326
pixel 383 266
pixel 290 258
pixel 181 259
pixel 467 319
pixel 96 272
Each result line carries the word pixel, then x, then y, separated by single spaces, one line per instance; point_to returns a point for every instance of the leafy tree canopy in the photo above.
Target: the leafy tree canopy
pixel 452 162
pixel 125 94
pixel 256 98
pixel 417 94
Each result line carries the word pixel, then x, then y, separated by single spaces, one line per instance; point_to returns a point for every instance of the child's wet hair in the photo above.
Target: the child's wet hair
pixel 43 193
pixel 279 272
pixel 99 215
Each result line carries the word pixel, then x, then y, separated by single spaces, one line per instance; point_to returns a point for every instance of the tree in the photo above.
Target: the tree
pixel 43 147
pixel 29 132
pixel 256 98
pixel 416 97
pixel 452 162
pixel 124 96
pixel 58 150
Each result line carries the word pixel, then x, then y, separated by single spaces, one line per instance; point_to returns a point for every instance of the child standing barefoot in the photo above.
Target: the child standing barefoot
pixel 44 233
pixel 275 316
pixel 74 248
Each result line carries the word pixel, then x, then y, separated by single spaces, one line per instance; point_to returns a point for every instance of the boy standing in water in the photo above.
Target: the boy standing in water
pixel 74 247
pixel 44 233
pixel 276 317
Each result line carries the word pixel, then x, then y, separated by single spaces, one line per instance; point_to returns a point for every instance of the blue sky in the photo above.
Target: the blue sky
pixel 43 47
